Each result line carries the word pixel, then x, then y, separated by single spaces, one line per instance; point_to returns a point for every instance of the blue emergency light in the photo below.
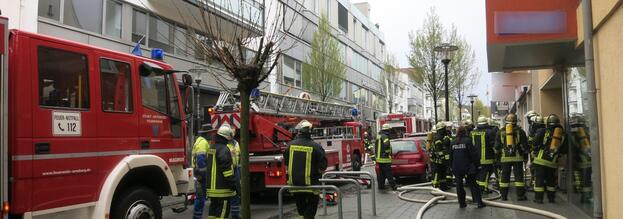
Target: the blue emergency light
pixel 354 112
pixel 157 54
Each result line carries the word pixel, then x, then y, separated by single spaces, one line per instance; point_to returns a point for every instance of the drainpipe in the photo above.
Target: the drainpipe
pixel 587 20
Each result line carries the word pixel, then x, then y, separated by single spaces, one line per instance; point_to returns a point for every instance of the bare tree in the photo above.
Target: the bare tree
pixel 423 59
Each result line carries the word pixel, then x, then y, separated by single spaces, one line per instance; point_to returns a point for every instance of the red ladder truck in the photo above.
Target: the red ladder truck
pixel 272 122
pixel 87 132
pixel 403 123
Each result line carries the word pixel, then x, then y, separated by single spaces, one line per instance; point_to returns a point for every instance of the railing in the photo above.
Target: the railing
pixel 246 10
pixel 353 173
pixel 323 187
pixel 358 186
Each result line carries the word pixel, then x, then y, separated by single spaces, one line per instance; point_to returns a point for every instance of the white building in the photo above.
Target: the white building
pixel 361 42
pixel 398 87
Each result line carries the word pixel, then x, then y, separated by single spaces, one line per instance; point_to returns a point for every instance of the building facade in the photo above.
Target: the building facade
pixel 361 43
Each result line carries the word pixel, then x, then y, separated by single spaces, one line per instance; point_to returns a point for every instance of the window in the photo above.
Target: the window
pixel 50 9
pixel 161 34
pixel 83 14
pixel 63 78
pixel 297 25
pixel 360 95
pixel 364 37
pixel 139 26
pixel 342 17
pixel 343 55
pixel 116 85
pixel 200 53
pixel 375 72
pixel 113 19
pixel 328 10
pixel 153 92
pixel 180 41
pixel 311 5
pixel 343 91
pixel 360 63
pixel 292 71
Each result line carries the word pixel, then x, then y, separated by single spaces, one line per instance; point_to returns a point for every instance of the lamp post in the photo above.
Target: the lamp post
pixel 471 100
pixel 445 50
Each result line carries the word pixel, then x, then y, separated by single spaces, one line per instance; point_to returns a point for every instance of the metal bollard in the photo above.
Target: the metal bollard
pixel 350 173
pixel 317 187
pixel 348 181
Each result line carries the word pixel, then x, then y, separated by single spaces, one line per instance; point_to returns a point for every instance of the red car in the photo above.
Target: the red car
pixel 409 158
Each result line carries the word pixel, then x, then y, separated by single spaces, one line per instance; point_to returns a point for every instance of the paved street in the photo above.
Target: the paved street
pixel 390 206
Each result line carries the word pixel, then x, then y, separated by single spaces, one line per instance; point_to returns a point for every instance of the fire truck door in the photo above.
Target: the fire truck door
pixel 64 125
pixel 117 119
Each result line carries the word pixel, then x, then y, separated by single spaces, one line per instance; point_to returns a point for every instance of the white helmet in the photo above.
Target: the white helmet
pixel 304 126
pixel 386 127
pixel 225 131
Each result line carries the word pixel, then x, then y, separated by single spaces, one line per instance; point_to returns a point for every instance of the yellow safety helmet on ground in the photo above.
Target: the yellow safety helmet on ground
pixel 440 126
pixel 225 131
pixel 482 120
pixel 511 118
pixel 385 127
pixel 304 126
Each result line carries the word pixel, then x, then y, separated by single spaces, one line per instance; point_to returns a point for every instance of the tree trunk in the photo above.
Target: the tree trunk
pixel 245 189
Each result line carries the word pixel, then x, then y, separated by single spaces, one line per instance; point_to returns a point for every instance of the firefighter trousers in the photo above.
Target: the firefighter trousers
pixel 439 177
pixel 518 172
pixel 544 180
pixel 483 176
pixel 219 208
pixel 306 204
pixel 583 182
pixel 385 172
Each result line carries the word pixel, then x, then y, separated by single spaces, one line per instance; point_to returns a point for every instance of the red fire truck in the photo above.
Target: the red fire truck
pixel 87 132
pixel 272 122
pixel 403 123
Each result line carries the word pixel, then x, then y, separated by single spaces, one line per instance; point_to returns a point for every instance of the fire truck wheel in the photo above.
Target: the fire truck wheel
pixel 137 203
pixel 356 162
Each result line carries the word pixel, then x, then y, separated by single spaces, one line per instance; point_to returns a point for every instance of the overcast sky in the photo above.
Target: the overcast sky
pixel 398 17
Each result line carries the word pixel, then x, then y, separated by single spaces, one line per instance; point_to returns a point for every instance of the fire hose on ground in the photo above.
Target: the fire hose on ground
pixel 441 197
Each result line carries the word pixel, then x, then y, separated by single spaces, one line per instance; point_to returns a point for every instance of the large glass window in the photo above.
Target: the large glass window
pixel 375 72
pixel 116 85
pixel 83 14
pixel 63 78
pixel 180 41
pixel 343 92
pixel 311 5
pixel 342 17
pixel 161 34
pixel 139 26
pixel 113 19
pixel 50 9
pixel 360 95
pixel 292 70
pixel 297 25
pixel 360 63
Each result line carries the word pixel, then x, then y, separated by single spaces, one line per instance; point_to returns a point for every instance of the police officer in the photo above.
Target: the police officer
pixel 221 184
pixel 306 161
pixel 384 158
pixel 550 144
pixel 465 164
pixel 582 156
pixel 483 138
pixel 512 144
pixel 440 156
pixel 234 149
pixel 200 171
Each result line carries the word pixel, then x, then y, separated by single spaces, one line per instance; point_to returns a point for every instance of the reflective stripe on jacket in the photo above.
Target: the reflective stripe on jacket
pixel 220 180
pixel 383 149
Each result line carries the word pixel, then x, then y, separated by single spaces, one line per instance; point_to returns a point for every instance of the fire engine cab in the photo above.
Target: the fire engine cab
pixel 271 126
pixel 87 132
pixel 403 123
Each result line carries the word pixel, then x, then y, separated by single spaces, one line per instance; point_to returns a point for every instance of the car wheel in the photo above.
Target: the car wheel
pixel 136 203
pixel 356 162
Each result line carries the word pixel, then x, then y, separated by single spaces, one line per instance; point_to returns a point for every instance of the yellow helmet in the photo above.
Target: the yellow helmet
pixel 386 127
pixel 225 131
pixel 482 120
pixel 440 125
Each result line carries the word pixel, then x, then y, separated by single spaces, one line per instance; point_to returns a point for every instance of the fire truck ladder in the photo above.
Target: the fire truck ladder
pixel 287 105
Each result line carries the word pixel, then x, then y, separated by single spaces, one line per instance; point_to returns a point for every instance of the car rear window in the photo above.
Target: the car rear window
pixel 405 146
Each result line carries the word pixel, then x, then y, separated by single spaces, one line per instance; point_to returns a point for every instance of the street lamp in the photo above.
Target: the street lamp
pixel 471 100
pixel 445 50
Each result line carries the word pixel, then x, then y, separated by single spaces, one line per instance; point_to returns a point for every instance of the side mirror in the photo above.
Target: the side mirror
pixel 187 79
pixel 189 100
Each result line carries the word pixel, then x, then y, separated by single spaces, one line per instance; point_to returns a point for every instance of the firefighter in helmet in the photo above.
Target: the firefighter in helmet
pixel 367 142
pixel 512 144
pixel 384 158
pixel 440 156
pixel 582 155
pixel 234 149
pixel 221 182
pixel 483 139
pixel 305 160
pixel 200 170
pixel 550 144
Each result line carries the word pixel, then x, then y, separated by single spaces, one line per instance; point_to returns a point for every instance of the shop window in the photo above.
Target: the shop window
pixel 113 19
pixel 116 86
pixel 63 78
pixel 83 14
pixel 50 9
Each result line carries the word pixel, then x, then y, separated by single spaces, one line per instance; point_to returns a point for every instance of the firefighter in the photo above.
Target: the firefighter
pixel 465 163
pixel 483 138
pixel 367 143
pixel 537 124
pixel 199 164
pixel 550 143
pixel 305 160
pixel 511 145
pixel 469 126
pixel 440 156
pixel 384 158
pixel 221 184
pixel 234 149
pixel 582 156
